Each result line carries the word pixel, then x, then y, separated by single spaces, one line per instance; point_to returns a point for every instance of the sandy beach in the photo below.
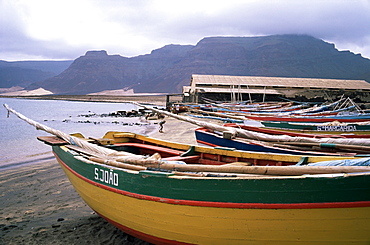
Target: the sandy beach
pixel 40 206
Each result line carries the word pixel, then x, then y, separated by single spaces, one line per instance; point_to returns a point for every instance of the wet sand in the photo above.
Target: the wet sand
pixel 40 206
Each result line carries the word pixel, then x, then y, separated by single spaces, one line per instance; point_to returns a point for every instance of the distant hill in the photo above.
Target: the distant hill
pixel 23 73
pixel 169 68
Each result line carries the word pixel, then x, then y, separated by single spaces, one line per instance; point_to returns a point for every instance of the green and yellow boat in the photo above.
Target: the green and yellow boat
pixel 201 195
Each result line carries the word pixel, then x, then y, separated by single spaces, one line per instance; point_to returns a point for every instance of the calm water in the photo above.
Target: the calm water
pixel 19 145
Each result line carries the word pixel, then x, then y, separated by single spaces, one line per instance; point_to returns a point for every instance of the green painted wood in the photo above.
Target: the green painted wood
pixel 348 188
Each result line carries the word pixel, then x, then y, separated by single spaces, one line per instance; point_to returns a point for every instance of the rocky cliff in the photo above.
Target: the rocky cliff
pixel 169 68
pixel 23 73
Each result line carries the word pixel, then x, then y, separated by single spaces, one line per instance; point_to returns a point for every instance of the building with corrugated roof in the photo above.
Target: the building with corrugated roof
pixel 244 88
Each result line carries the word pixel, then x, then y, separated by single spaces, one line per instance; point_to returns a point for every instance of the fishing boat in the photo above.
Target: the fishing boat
pixel 244 110
pixel 311 110
pixel 359 117
pixel 224 119
pixel 167 202
pixel 310 134
pixel 250 106
pixel 327 128
pixel 214 138
pixel 235 137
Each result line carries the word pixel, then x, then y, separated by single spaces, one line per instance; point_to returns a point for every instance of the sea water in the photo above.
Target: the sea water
pixel 18 143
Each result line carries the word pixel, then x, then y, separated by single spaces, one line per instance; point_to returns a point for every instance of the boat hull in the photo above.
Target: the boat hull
pixel 214 140
pixel 356 129
pixel 296 133
pixel 166 209
pixel 309 119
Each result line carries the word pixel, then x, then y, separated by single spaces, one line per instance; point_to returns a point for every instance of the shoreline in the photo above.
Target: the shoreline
pixel 154 99
pixel 46 156
pixel 40 206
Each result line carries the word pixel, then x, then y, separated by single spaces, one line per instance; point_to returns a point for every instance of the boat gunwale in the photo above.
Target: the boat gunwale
pixel 311 154
pixel 215 204
pixel 221 176
pixel 235 152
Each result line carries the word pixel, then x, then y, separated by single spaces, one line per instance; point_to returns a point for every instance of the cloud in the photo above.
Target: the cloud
pixel 68 28
pixel 339 20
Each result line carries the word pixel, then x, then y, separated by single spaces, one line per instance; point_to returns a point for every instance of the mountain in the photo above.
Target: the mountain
pixel 97 71
pixel 24 73
pixel 169 68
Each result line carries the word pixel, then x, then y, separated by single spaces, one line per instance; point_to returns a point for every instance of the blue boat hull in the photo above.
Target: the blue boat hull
pixel 215 140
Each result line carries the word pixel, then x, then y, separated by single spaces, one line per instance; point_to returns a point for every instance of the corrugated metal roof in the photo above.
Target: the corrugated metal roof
pixel 280 82
pixel 237 91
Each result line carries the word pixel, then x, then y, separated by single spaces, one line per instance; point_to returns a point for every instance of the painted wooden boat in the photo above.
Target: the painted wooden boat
pixel 251 106
pixel 224 119
pixel 276 131
pixel 213 134
pixel 304 109
pixel 276 109
pixel 312 119
pixel 320 127
pixel 161 206
pixel 270 109
pixel 213 138
pixel 297 110
pixel 329 112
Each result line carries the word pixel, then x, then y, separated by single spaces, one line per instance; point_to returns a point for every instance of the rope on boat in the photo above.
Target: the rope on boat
pixel 260 136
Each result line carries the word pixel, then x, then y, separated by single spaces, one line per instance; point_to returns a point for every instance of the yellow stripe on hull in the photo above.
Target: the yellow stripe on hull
pixel 208 225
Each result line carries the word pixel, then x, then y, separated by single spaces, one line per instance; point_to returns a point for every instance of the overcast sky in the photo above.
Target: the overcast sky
pixel 66 29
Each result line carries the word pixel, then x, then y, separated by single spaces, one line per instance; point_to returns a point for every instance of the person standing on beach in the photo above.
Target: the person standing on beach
pixel 161 126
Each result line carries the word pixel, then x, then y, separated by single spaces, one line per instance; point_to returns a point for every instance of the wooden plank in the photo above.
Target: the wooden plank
pixel 152 147
pixel 52 140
